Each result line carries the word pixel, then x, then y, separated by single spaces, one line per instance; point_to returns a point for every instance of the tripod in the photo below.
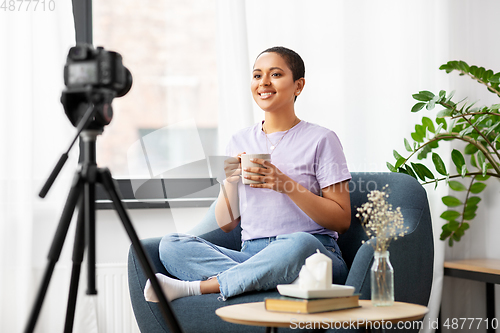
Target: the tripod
pixel 83 193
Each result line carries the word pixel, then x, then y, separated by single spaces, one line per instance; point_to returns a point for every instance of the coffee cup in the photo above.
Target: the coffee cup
pixel 245 163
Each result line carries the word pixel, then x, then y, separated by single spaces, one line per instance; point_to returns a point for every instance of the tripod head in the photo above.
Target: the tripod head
pixel 93 78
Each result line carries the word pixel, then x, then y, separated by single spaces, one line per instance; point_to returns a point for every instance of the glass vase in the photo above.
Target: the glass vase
pixel 382 280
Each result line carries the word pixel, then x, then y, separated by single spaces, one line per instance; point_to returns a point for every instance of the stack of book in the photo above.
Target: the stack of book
pixel 299 305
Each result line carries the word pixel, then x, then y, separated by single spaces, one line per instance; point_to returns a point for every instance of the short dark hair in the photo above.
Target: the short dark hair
pixel 292 59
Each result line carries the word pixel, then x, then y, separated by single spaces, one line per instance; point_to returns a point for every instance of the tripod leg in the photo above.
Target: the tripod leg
pixel 78 250
pixel 107 181
pixel 55 249
pixel 90 233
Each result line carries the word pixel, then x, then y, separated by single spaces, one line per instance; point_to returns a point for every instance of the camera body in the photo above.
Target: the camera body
pixel 96 67
pixel 93 77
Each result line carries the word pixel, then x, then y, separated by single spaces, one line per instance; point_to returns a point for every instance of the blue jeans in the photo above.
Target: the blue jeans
pixel 261 264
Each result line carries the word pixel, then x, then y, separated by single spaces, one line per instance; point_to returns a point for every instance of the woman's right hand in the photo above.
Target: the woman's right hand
pixel 232 168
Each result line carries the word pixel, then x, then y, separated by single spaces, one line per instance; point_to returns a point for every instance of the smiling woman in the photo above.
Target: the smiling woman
pixel 283 217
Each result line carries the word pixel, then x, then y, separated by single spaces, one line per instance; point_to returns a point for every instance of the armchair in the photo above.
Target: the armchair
pixel 412 257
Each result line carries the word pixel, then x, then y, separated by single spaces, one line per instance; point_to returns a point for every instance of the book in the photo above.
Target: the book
pixel 299 305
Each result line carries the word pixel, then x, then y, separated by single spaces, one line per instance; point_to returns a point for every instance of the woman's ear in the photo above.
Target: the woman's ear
pixel 299 86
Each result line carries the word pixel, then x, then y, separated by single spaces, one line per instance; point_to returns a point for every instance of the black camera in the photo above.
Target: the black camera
pixel 97 67
pixel 93 77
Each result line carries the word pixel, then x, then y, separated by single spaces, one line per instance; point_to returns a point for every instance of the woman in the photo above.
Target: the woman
pixel 301 204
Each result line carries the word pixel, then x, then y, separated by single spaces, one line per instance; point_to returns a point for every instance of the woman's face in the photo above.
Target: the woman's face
pixel 273 87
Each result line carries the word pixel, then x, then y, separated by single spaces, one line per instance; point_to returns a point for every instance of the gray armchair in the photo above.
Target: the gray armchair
pixel 411 256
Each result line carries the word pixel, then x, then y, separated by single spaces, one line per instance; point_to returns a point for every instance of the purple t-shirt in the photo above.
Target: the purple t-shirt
pixel 309 154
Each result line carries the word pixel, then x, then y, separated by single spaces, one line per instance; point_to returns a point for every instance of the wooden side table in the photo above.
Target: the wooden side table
pixel 368 316
pixel 484 270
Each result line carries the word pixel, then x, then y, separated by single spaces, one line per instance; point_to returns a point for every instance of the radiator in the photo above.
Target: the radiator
pixel 110 311
pixel 114 310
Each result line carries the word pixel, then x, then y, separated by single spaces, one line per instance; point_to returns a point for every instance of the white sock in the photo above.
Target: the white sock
pixel 172 288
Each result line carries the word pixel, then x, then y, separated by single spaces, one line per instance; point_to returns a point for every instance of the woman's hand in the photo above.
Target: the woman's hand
pixel 272 177
pixel 232 168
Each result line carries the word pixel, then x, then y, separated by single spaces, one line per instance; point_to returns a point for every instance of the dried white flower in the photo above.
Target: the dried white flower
pixel 380 221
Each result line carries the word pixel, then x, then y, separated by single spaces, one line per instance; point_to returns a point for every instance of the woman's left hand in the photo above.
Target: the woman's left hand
pixel 271 178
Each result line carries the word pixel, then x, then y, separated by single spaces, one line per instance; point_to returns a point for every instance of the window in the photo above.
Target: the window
pixel 167 124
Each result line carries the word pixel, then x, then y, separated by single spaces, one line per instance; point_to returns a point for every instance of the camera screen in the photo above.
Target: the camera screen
pixel 82 73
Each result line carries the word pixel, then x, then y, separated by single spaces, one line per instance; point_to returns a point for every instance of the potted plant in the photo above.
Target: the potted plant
pixel 476 163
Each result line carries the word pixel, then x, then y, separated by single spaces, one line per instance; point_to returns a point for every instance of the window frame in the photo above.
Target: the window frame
pixel 204 189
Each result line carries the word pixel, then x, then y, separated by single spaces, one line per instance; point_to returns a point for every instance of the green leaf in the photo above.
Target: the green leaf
pixel 445 233
pixel 492 128
pixel 470 209
pixel 469 215
pixel 442 94
pixel 450 96
pixel 408 147
pixel 432 104
pixel 462 65
pixel 420 130
pixel 446 67
pixel 399 162
pixel 396 155
pixel 495 106
pixel 439 164
pixel 444 113
pixel 451 201
pixel 481 119
pixel 402 170
pixel 495 78
pixel 443 122
pixel 480 158
pixel 456 186
pixel 416 137
pixel 470 149
pixel 426 93
pixel 453 225
pixel 466 130
pixel 423 170
pixel 390 167
pixel 473 161
pixel 458 159
pixel 482 178
pixel 427 122
pixel 423 96
pixel 410 172
pixel 480 72
pixel 417 107
pixel 450 215
pixel 463 172
pixel 438 129
pixel 473 201
pixel 450 242
pixel 487 75
pixel 419 172
pixel 477 187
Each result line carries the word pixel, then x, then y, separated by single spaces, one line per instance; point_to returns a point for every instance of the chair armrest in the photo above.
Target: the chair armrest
pixel 359 274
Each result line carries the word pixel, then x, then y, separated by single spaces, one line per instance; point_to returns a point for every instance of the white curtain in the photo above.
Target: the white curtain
pixel 33 133
pixel 233 70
